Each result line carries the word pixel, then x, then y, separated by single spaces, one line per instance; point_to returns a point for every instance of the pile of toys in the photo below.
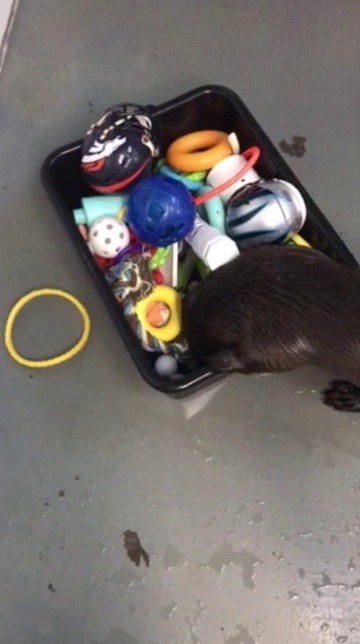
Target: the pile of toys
pixel 156 222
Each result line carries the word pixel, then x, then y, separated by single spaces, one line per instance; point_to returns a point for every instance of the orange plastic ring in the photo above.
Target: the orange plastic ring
pixel 198 151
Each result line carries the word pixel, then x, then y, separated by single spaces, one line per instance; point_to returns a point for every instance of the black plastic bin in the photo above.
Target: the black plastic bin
pixel 208 107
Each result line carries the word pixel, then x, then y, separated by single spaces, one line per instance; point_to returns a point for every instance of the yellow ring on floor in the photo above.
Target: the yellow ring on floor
pixel 63 357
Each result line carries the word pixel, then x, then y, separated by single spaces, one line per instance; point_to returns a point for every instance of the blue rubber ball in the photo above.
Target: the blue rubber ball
pixel 160 211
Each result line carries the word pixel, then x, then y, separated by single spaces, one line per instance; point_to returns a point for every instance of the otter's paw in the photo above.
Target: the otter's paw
pixel 342 396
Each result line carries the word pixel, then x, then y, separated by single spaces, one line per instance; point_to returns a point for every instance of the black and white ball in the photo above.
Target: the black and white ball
pixel 265 212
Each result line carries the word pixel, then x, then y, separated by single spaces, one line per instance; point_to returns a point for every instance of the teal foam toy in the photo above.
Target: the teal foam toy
pixel 212 210
pixel 99 206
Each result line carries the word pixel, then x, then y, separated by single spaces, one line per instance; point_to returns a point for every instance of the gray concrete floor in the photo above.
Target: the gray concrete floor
pixel 247 497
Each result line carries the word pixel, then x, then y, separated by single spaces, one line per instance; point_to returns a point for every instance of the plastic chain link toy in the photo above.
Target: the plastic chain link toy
pixel 159 258
pixel 193 181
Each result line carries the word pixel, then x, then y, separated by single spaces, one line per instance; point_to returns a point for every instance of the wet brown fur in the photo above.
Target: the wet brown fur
pixel 277 308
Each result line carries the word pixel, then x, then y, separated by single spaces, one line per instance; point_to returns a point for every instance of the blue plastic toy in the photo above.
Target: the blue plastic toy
pixel 160 211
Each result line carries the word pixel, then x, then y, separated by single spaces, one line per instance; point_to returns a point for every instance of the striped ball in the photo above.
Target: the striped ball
pixel 258 214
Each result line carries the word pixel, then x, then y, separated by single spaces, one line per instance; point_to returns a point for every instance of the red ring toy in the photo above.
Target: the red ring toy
pixel 252 155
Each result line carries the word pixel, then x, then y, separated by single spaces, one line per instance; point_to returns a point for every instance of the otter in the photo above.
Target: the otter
pixel 278 308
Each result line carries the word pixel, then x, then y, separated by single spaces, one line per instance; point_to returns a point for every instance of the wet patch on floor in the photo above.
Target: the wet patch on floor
pixel 228 557
pixel 242 637
pixel 173 558
pixel 296 148
pixel 168 611
pixel 301 572
pixel 134 549
pixel 194 621
pixel 327 583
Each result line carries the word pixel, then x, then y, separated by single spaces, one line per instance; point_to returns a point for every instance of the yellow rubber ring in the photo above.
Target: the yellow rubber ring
pixel 63 357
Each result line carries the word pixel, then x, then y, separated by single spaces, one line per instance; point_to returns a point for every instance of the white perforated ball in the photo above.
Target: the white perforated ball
pixel 108 236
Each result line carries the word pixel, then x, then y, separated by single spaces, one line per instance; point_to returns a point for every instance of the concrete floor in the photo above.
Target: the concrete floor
pixel 246 497
pixel 7 15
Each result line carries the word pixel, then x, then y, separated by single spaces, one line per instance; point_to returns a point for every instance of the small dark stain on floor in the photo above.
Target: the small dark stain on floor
pixel 242 636
pixel 4 187
pixel 31 375
pixel 296 148
pixel 51 588
pixel 134 549
pixel 91 107
pixel 47 503
pixel 77 478
pixel 61 494
pixel 351 564
pixel 301 572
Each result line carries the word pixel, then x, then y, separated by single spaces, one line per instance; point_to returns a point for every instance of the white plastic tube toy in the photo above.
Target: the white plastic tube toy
pixel 227 168
pixel 213 248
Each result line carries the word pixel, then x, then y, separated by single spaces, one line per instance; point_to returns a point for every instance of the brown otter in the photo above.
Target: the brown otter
pixel 277 308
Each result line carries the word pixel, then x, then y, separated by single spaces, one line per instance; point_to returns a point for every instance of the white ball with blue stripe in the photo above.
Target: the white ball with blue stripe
pixel 265 212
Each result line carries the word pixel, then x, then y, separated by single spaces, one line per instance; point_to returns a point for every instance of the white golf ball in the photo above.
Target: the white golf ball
pixel 165 366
